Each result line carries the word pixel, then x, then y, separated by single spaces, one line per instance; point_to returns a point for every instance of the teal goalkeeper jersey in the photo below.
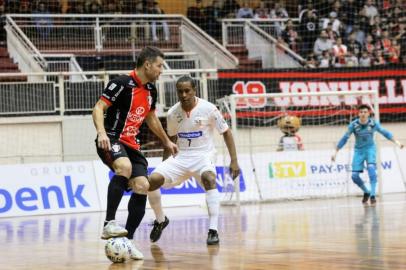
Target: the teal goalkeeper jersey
pixel 364 134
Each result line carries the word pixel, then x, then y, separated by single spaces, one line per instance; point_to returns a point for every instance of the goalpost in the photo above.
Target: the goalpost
pixel 268 174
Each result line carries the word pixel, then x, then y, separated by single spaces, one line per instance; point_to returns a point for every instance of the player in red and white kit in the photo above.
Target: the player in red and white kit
pixel 127 102
pixel 191 124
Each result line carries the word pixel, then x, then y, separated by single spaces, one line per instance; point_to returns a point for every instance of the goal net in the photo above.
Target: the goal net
pixel 285 143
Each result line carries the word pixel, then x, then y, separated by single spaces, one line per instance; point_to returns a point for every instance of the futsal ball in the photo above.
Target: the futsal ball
pixel 118 249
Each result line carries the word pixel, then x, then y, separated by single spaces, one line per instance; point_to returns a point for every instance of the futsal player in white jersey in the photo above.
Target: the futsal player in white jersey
pixel 191 123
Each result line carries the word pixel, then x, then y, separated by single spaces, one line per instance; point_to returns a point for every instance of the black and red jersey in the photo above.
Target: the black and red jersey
pixel 129 103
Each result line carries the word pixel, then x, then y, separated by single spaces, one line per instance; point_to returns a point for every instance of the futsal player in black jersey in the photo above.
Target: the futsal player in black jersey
pixel 126 102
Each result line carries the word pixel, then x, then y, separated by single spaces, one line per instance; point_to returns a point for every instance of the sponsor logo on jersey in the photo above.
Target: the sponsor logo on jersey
pixel 190 135
pixel 139 110
pixel 112 86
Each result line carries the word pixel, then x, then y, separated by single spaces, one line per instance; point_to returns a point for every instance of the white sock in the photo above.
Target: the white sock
pixel 213 205
pixel 154 198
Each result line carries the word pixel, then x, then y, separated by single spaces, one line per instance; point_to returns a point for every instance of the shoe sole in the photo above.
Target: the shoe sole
pixel 213 243
pixel 152 241
pixel 113 235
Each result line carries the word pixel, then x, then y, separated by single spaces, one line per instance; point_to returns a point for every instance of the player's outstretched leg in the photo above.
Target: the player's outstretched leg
pixel 161 220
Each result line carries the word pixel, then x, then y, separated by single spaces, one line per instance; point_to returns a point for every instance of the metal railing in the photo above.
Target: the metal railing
pixel 60 95
pixel 117 34
pixel 260 38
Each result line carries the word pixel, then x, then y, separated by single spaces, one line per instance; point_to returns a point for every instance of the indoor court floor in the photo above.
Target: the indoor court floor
pixel 311 234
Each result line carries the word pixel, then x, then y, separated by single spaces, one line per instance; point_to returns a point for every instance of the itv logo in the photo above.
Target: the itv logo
pixel 287 169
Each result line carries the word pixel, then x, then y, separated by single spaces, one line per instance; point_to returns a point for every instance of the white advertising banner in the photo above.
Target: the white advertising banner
pixel 48 188
pixel 305 174
pixel 54 188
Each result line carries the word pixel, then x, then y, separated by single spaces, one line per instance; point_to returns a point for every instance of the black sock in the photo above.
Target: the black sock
pixel 117 186
pixel 136 212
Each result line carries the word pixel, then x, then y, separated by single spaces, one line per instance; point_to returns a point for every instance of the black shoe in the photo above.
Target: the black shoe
pixel 157 230
pixel 373 201
pixel 212 237
pixel 365 198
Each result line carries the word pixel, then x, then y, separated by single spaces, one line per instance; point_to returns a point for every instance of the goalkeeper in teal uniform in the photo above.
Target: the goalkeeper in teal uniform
pixel 364 150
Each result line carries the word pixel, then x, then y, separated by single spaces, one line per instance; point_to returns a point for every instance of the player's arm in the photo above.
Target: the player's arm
pixel 229 140
pixel 167 152
pixel 155 126
pixel 388 135
pixel 103 141
pixel 343 141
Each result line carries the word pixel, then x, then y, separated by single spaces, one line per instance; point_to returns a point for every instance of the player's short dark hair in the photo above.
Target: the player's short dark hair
pixel 364 106
pixel 149 53
pixel 187 78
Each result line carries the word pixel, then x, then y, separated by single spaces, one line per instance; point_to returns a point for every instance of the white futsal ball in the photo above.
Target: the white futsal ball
pixel 118 249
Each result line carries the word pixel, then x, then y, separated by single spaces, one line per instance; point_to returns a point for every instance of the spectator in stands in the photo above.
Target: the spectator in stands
pixel 309 30
pixel 340 53
pixel 304 12
pixel 365 59
pixel 261 12
pixel 369 10
pixel 291 37
pixel 153 8
pixel 369 45
pixel 25 7
pixel 334 22
pixel 245 12
pixel 278 12
pixel 354 45
pixel 325 60
pixel 350 59
pixel 230 8
pixel 332 35
pixel 322 43
pixel 93 7
pixel 378 59
pixel 213 23
pixel 43 24
pixel 196 14
pixel 349 15
pixel 394 52
pixel 311 61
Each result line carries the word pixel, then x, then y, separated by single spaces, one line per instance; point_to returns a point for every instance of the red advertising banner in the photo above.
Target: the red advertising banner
pixel 390 82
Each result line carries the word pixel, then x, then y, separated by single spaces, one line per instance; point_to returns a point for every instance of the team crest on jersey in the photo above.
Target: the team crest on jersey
pixel 201 121
pixel 115 148
pixel 139 110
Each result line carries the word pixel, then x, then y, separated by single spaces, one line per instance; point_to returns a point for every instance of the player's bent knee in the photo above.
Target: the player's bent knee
pixel 355 177
pixel 139 185
pixel 122 167
pixel 209 180
pixel 156 180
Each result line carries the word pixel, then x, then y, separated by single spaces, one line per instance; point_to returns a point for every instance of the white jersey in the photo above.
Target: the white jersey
pixel 195 129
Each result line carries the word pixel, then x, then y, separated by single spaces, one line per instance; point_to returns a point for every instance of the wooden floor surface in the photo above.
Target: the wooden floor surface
pixel 313 234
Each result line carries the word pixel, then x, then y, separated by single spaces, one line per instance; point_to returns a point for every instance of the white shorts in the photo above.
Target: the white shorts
pixel 177 169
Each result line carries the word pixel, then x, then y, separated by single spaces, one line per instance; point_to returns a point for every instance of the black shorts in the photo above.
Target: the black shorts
pixel 138 161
